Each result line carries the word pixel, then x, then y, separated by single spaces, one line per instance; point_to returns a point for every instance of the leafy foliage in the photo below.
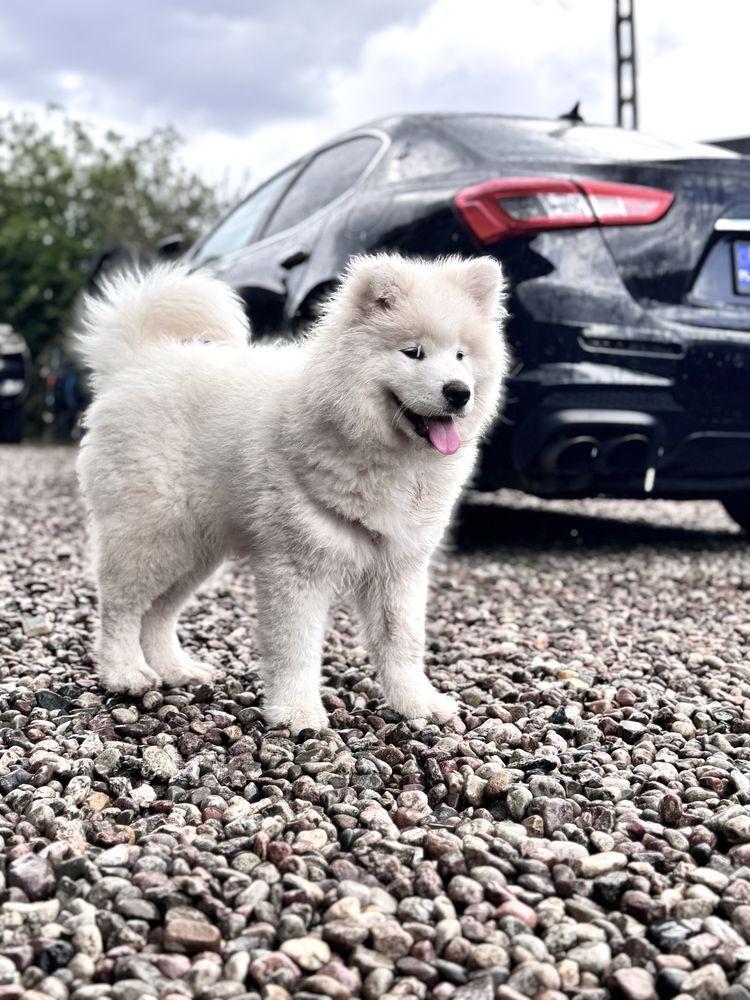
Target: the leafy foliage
pixel 66 190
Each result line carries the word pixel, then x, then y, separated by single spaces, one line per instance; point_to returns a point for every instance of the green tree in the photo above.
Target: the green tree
pixel 66 190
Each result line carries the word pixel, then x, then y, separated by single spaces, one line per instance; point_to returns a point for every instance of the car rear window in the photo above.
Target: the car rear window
pixel 421 154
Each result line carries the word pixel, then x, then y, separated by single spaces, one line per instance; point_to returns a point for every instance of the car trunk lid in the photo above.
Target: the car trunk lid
pixel 694 255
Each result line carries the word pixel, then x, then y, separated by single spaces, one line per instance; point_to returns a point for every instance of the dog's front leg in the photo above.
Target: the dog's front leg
pixel 292 617
pixel 392 606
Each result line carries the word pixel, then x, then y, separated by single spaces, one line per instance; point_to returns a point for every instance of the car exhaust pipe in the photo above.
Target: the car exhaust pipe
pixel 627 455
pixel 572 456
pixel 570 449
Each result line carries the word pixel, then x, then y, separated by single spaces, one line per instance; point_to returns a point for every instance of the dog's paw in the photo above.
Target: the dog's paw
pixel 185 672
pixel 426 703
pixel 296 718
pixel 441 707
pixel 130 680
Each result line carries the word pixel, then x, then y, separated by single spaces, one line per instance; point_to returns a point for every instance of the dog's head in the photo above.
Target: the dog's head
pixel 421 344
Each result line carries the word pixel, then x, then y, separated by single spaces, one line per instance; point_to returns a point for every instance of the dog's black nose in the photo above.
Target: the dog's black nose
pixel 457 393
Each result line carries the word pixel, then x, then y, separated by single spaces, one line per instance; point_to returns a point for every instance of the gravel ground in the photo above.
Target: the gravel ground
pixel 583 830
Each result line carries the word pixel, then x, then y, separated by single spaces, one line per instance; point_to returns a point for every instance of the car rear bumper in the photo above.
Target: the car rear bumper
pixel 588 429
pixel 13 393
pixel 15 378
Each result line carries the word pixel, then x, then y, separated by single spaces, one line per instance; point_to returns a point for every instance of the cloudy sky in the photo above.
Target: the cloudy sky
pixel 251 84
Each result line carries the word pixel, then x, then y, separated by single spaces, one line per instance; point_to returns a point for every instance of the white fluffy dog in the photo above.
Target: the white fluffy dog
pixel 333 464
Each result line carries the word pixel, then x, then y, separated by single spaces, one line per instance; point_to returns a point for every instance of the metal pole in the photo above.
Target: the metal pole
pixel 627 96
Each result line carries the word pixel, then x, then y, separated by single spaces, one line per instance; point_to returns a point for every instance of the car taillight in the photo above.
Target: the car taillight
pixel 520 206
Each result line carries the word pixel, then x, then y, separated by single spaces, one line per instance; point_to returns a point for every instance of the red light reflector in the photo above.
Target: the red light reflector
pixel 626 204
pixel 517 206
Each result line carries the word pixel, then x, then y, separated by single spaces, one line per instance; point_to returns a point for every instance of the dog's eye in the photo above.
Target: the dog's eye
pixel 460 355
pixel 414 352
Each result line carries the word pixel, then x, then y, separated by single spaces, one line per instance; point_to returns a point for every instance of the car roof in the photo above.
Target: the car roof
pixel 562 130
pixel 394 121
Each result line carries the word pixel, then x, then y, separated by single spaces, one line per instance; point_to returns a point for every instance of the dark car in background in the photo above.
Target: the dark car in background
pixel 15 382
pixel 628 260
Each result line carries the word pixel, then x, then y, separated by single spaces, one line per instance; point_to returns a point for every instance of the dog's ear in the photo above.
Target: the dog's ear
pixel 482 278
pixel 375 283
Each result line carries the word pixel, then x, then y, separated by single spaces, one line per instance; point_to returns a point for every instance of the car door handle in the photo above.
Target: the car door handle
pixel 295 259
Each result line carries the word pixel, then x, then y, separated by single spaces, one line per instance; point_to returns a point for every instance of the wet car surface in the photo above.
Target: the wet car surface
pixel 629 267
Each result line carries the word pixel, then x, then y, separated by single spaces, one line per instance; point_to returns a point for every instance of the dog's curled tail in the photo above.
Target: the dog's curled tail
pixel 137 310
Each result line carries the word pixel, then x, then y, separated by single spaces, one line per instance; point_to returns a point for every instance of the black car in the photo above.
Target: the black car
pixel 15 381
pixel 629 264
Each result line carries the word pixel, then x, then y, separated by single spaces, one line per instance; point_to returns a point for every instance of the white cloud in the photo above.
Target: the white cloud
pixel 533 57
pixel 693 68
pixel 70 82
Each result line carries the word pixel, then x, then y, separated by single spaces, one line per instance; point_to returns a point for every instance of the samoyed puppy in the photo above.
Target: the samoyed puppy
pixel 332 464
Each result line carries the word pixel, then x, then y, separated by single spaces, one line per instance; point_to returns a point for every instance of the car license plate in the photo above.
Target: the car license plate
pixel 741 257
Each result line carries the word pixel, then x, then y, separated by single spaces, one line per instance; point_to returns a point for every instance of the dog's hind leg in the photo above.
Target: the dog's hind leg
pixel 133 569
pixel 292 618
pixel 159 641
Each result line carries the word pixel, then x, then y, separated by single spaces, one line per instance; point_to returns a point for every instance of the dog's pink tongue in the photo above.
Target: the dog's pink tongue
pixel 443 434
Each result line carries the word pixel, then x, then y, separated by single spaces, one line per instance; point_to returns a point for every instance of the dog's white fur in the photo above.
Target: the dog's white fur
pixel 200 448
